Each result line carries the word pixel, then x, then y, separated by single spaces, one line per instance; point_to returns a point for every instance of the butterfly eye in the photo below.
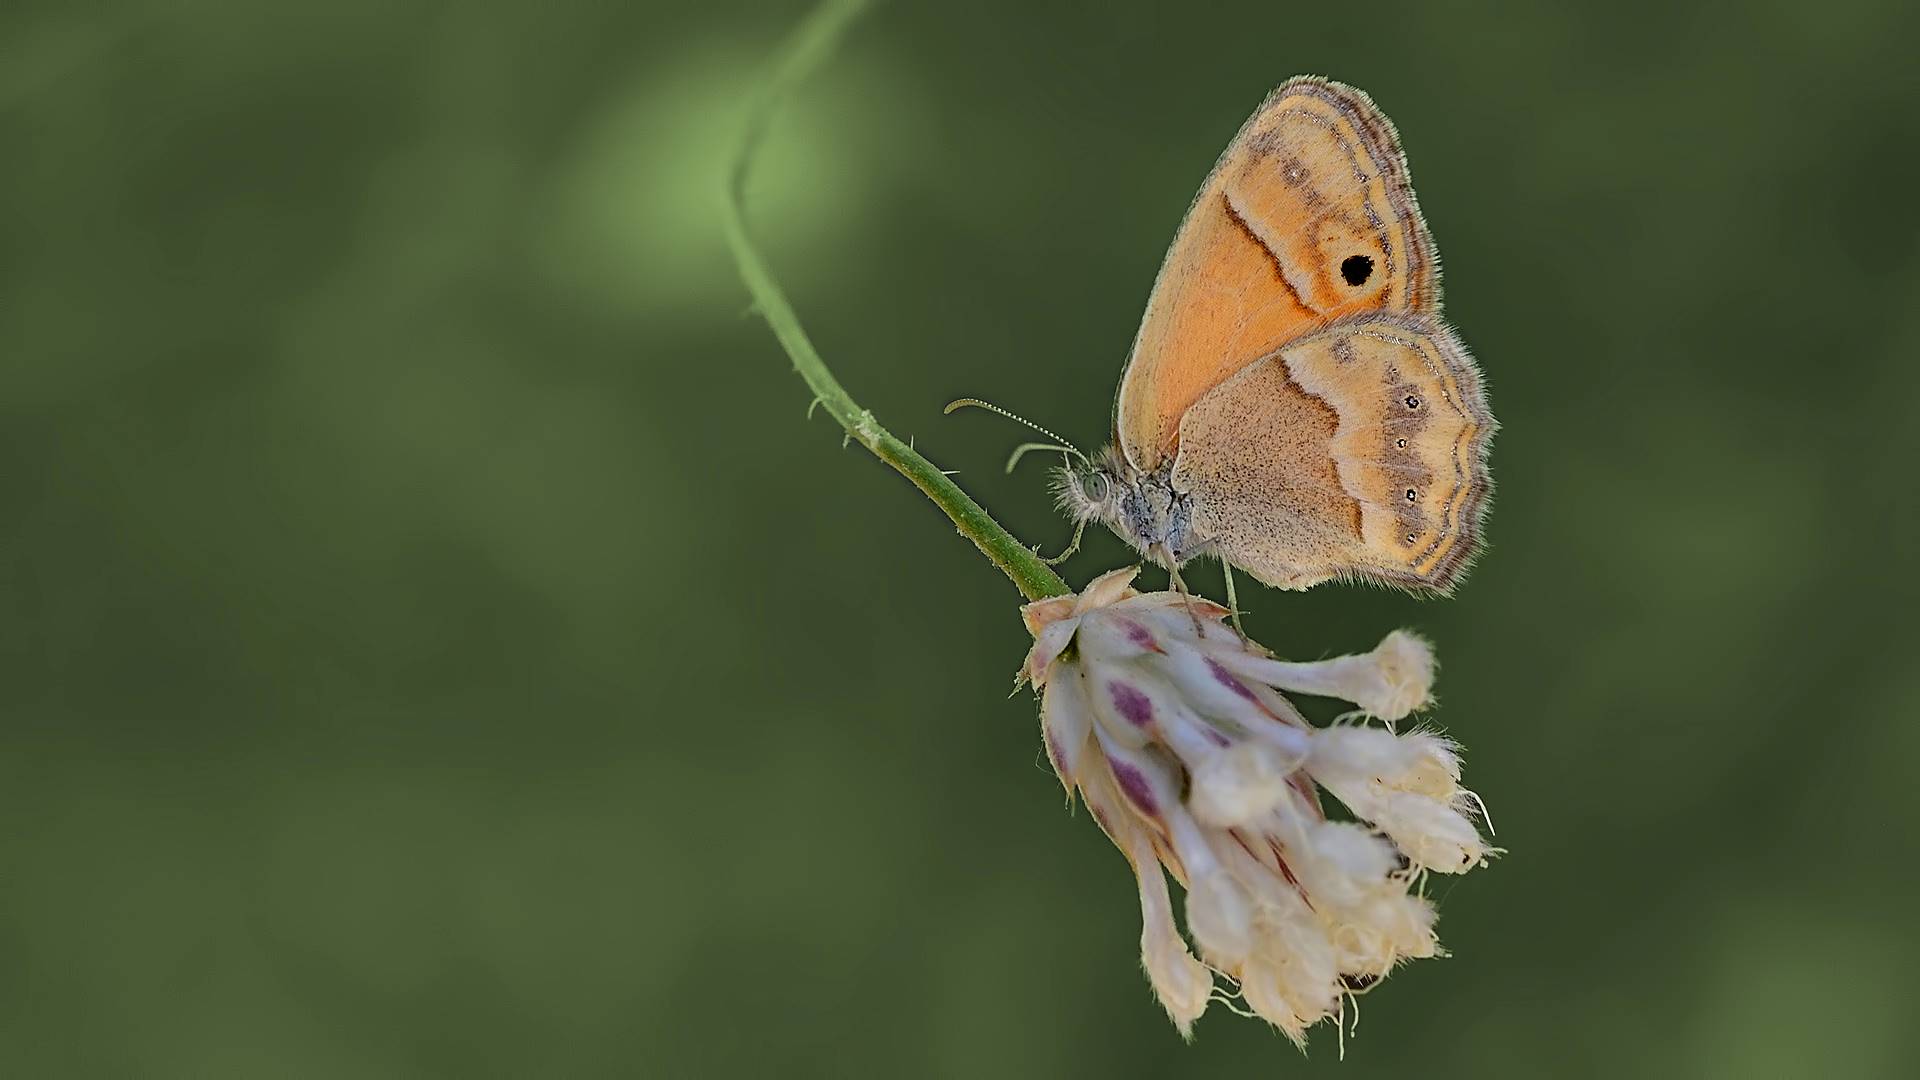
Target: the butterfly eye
pixel 1356 269
pixel 1095 486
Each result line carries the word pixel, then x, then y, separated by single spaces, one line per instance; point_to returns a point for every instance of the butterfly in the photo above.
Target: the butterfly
pixel 1293 404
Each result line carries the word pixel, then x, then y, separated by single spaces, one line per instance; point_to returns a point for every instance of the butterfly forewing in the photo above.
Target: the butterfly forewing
pixel 1308 216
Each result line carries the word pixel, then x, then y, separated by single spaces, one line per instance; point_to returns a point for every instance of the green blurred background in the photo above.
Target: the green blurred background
pixel 436 643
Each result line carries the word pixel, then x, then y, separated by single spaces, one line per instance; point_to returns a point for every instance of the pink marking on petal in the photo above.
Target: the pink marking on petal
pixel 1134 705
pixel 1244 846
pixel 1287 871
pixel 1230 681
pixel 1139 635
pixel 1309 795
pixel 1134 783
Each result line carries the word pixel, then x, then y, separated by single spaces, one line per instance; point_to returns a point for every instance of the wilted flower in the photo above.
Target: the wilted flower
pixel 1173 730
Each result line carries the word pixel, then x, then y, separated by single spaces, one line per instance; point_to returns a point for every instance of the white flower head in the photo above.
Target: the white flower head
pixel 1176 733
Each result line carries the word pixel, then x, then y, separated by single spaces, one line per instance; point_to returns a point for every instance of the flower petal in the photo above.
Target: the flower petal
pixel 1183 984
pixel 1107 589
pixel 1241 785
pixel 1066 723
pixel 1390 682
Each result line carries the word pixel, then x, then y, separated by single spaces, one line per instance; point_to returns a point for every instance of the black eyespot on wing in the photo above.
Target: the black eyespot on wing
pixel 1412 402
pixel 1401 443
pixel 1356 269
pixel 1412 495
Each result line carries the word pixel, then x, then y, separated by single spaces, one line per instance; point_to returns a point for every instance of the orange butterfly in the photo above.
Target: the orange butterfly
pixel 1293 404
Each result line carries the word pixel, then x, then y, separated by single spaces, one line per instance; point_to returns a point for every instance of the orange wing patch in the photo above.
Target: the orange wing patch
pixel 1307 217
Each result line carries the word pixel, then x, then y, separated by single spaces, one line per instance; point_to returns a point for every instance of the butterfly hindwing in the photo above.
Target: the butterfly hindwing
pixel 1357 451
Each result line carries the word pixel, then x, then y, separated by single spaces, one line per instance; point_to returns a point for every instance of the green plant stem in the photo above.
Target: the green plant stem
pixel 811 42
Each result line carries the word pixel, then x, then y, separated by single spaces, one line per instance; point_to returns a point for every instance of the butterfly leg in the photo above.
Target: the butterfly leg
pixel 1233 607
pixel 1233 601
pixel 1173 578
pixel 1078 531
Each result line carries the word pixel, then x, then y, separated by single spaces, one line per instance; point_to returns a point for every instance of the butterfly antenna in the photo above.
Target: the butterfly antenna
pixel 1029 447
pixel 967 402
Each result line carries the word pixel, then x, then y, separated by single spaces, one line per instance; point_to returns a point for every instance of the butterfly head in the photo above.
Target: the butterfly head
pixel 1142 509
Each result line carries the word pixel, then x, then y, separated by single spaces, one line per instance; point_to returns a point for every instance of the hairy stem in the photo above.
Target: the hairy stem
pixel 811 42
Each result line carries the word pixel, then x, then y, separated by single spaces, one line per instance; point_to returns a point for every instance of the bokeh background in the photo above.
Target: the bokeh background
pixel 435 641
